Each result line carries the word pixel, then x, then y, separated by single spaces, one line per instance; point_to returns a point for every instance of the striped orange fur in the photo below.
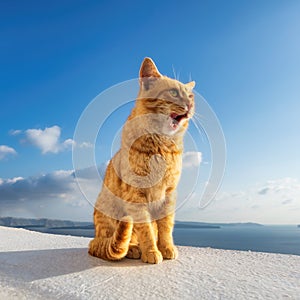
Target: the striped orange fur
pixel 134 212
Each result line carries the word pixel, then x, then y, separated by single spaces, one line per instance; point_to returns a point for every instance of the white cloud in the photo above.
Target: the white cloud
pixel 48 140
pixel 279 186
pixel 68 143
pixel 86 145
pixel 191 159
pixel 15 132
pixel 11 180
pixel 6 151
pixel 263 191
pixel 72 143
pixel 287 201
pixel 51 195
pixel 274 202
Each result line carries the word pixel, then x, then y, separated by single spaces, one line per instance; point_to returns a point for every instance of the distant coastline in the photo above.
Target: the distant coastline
pixel 31 223
pixel 38 223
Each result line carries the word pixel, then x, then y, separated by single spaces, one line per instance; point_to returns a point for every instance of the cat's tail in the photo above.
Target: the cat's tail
pixel 116 246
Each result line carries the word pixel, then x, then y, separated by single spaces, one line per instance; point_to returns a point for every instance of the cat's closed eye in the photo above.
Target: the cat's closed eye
pixel 174 92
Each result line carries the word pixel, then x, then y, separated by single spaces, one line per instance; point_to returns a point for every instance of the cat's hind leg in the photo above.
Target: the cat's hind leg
pixel 114 247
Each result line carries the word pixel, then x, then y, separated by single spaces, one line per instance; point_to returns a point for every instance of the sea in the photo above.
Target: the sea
pixel 273 239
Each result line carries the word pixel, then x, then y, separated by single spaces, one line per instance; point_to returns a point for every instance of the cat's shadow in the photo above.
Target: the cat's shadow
pixel 39 264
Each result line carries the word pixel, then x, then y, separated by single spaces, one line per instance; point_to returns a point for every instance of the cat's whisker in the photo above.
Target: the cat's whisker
pixel 200 129
pixel 174 72
pixel 199 116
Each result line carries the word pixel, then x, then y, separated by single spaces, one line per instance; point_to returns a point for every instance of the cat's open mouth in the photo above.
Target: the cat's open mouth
pixel 175 119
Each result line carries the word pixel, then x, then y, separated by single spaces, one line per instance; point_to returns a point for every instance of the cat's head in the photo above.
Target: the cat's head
pixel 170 98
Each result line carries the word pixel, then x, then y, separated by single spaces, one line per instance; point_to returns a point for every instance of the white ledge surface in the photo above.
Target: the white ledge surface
pixel 42 266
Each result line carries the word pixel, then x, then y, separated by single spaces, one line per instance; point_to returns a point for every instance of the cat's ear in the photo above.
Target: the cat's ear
pixel 149 69
pixel 190 85
pixel 148 74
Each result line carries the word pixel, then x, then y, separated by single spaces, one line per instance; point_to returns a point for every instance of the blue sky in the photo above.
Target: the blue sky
pixel 244 56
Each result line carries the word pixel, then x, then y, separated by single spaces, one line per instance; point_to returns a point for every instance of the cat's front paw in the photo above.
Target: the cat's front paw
pixel 152 257
pixel 169 252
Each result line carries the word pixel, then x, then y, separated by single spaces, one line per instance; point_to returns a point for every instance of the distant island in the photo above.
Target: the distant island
pixel 65 224
pixel 190 225
pixel 298 226
pixel 38 223
pixel 186 224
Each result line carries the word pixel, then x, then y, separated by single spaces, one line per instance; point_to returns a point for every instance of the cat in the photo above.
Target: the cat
pixel 134 212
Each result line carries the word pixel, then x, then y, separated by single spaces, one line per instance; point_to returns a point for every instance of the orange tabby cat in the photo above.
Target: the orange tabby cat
pixel 134 212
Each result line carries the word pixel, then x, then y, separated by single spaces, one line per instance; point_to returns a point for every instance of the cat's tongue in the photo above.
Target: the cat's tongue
pixel 173 116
